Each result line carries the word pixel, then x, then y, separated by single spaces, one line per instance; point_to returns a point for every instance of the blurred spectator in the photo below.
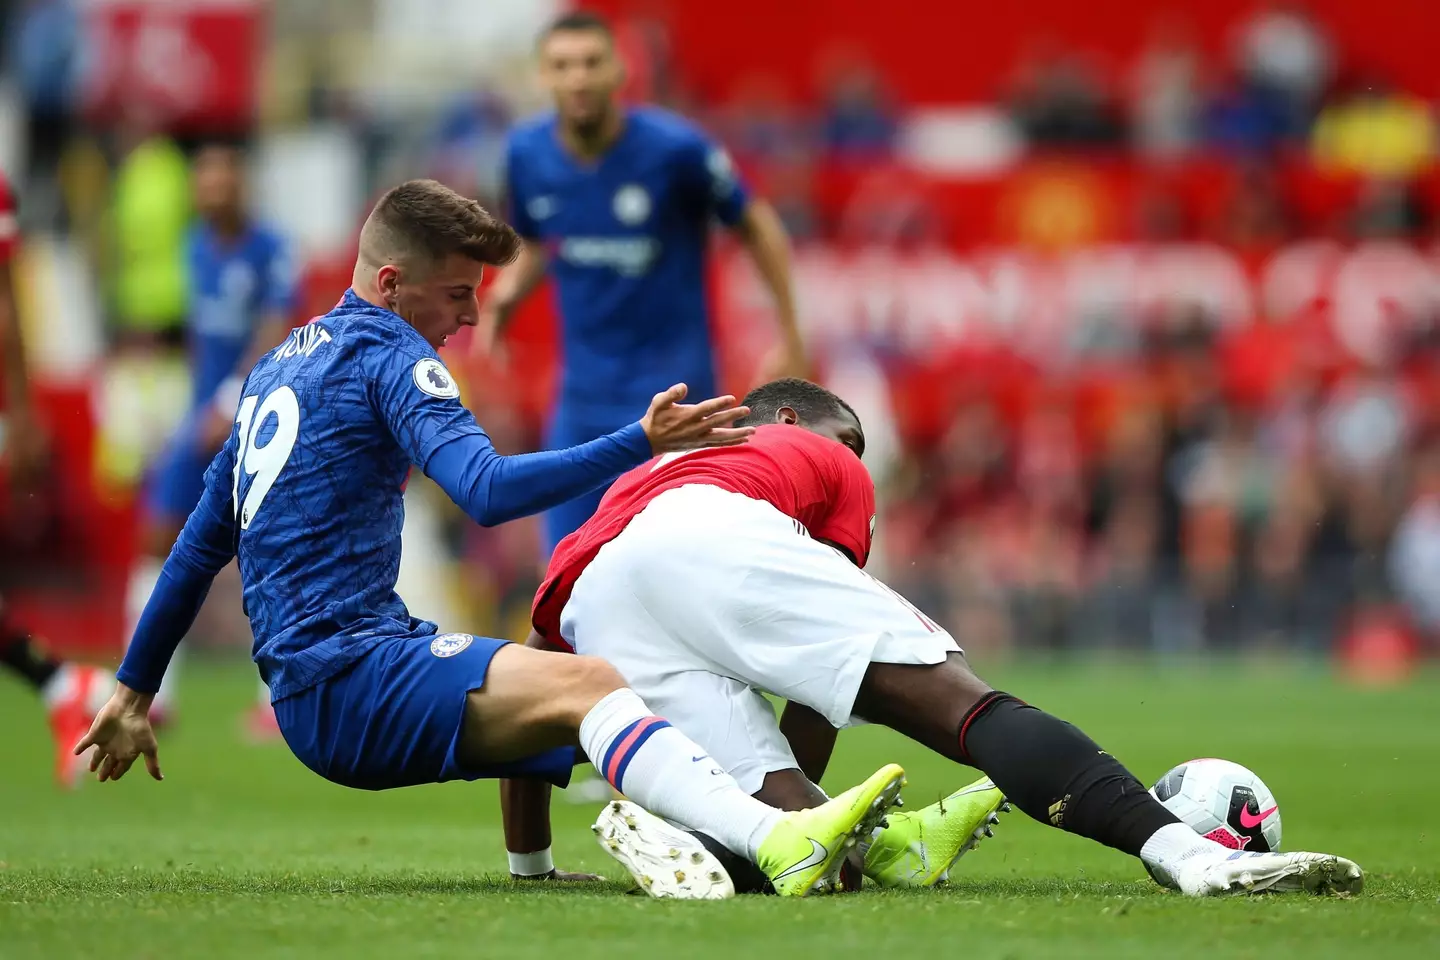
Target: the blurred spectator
pixel 44 51
pixel 1280 601
pixel 789 184
pixel 150 210
pixel 891 207
pixel 1388 210
pixel 1161 217
pixel 1245 118
pixel 1364 429
pixel 1364 426
pixel 857 118
pixel 1165 93
pixel 1375 130
pixel 1059 101
pixel 1255 218
pixel 1121 566
pixel 1282 50
pixel 644 45
pixel 760 123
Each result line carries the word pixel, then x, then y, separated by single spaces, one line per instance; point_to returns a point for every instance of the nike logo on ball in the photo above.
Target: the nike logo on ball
pixel 1250 820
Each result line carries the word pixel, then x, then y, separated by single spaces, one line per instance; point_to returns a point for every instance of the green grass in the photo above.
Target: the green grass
pixel 241 852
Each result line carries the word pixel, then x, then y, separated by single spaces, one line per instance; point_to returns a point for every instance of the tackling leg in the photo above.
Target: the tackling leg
pixel 1045 766
pixel 1058 775
pixel 533 701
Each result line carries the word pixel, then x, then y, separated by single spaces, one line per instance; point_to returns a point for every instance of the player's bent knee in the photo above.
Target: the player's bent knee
pixel 537 688
pixel 590 680
pixel 926 703
pixel 532 701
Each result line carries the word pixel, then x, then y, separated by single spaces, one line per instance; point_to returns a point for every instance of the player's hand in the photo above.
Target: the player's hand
pixel 120 733
pixel 559 875
pixel 672 425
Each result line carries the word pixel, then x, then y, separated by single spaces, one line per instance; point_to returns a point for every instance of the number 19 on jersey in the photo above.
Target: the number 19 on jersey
pixel 264 462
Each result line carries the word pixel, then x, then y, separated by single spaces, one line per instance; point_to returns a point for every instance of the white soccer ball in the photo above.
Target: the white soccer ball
pixel 1223 801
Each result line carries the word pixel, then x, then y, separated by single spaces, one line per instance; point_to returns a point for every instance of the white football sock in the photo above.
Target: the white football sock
pixel 665 772
pixel 142 583
pixel 1175 843
pixel 60 686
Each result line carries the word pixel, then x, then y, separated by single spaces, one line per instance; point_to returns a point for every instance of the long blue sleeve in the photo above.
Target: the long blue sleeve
pixel 419 401
pixel 205 545
pixel 493 489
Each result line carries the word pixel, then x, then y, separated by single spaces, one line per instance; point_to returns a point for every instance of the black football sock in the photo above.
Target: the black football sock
pixel 746 877
pixel 19 653
pixel 1057 775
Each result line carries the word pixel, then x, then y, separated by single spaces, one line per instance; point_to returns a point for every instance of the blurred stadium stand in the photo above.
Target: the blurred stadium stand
pixel 1144 306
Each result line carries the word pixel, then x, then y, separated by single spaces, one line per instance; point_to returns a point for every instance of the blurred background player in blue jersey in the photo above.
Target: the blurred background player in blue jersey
pixel 616 203
pixel 242 292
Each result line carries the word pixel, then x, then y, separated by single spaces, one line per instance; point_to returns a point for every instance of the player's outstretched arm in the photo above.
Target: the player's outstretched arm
pixel 495 489
pixel 205 545
pixel 121 731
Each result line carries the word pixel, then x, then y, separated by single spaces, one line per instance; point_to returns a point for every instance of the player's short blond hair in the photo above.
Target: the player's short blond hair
pixel 421 222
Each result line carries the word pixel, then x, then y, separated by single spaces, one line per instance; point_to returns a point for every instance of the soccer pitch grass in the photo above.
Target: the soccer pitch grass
pixel 241 852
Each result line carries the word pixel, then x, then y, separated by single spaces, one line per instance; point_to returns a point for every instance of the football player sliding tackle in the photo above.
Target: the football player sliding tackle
pixel 707 577
pixel 306 495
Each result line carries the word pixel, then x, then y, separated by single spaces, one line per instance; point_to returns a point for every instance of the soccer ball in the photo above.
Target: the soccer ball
pixel 1224 802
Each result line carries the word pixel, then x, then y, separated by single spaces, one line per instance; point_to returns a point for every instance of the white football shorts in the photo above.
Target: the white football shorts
pixel 709 597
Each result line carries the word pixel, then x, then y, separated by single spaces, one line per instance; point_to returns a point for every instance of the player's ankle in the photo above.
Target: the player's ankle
pixel 764 830
pixel 1173 845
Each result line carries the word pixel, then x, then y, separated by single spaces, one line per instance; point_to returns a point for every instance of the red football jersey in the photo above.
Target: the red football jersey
pixel 9 225
pixel 815 480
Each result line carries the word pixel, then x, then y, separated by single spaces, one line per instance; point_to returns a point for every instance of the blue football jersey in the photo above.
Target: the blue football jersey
pixel 626 238
pixel 307 492
pixel 328 426
pixel 234 284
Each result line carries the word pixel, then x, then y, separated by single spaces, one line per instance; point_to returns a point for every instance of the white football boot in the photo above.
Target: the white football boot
pixel 665 861
pixel 1254 872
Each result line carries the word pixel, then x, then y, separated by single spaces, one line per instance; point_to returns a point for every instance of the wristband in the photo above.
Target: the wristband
pixel 535 864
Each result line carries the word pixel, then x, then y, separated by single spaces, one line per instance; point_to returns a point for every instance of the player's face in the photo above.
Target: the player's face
pixel 582 73
pixel 438 302
pixel 843 429
pixel 218 183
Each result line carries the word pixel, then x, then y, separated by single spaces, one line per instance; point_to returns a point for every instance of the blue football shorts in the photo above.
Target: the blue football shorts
pixel 392 718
